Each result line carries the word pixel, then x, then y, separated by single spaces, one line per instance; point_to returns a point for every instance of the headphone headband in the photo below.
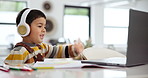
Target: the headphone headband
pixel 24 15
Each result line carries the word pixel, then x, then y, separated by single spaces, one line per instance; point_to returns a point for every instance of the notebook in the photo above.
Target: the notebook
pixel 137 44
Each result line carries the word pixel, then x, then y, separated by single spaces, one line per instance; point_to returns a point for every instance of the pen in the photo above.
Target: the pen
pixel 14 68
pixel 26 70
pixel 44 67
pixel 2 68
pixel 21 69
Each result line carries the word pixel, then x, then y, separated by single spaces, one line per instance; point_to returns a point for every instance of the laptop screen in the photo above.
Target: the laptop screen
pixel 137 48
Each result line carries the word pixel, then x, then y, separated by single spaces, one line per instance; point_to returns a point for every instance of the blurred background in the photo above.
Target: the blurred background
pixel 102 23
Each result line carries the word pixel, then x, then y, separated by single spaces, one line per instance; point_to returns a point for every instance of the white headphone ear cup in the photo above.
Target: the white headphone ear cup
pixel 23 29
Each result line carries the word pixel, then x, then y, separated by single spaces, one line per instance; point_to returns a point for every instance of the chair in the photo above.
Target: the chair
pixel 100 53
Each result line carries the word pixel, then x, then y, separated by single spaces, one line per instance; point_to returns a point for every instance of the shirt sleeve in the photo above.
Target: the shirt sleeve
pixel 60 51
pixel 17 56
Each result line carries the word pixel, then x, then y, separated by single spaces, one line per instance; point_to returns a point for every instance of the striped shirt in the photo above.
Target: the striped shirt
pixel 21 55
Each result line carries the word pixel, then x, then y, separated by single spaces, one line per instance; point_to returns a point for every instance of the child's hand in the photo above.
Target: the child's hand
pixel 78 45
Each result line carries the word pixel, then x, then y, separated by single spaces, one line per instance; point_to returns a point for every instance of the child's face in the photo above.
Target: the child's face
pixel 38 31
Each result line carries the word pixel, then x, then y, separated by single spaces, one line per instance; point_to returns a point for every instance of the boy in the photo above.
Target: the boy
pixel 31 25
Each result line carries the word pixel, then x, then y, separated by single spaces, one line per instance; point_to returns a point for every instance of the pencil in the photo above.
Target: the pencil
pixel 44 67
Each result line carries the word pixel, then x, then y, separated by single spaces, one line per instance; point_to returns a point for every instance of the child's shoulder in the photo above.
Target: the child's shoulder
pixel 19 48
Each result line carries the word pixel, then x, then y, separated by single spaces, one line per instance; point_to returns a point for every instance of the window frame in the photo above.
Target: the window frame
pixel 89 15
pixel 11 23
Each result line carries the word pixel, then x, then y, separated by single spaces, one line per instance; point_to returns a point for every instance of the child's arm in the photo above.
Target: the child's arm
pixel 66 51
pixel 61 51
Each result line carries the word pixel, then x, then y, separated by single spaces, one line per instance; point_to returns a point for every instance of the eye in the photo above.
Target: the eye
pixel 39 26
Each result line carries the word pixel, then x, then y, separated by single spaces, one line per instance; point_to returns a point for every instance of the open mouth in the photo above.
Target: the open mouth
pixel 42 36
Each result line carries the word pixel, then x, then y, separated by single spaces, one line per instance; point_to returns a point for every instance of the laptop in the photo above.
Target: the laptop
pixel 137 44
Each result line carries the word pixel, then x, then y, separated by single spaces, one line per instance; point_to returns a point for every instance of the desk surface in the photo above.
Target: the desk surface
pixel 133 72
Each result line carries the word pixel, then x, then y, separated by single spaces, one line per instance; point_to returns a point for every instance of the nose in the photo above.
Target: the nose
pixel 43 29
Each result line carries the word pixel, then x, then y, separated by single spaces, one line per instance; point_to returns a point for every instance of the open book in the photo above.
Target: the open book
pixel 64 63
pixel 58 63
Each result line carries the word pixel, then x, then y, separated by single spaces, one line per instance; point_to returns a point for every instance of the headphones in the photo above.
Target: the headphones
pixel 23 28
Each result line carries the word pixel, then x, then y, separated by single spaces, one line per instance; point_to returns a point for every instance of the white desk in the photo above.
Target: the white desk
pixel 133 72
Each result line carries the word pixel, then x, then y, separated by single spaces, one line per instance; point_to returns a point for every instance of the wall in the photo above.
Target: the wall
pixel 55 14
pixel 97 24
pixel 142 5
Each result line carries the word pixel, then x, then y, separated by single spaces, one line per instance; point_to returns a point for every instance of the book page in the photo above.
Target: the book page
pixel 58 63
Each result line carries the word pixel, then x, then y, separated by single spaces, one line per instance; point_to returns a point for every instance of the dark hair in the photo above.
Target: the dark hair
pixel 33 14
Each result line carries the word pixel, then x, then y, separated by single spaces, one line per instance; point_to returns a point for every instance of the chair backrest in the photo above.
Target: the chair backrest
pixel 100 53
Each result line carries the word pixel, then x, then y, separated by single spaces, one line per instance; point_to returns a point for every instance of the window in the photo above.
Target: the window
pixel 8 13
pixel 116 23
pixel 76 23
